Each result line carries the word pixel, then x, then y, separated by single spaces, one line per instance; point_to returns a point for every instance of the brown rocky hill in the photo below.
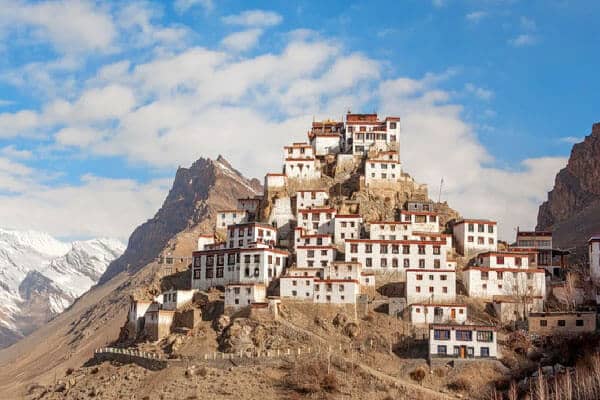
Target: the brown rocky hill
pixel 95 318
pixel 197 193
pixel 572 210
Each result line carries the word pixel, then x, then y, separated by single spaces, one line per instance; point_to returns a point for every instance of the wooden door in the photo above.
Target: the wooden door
pixel 453 313
pixel 462 351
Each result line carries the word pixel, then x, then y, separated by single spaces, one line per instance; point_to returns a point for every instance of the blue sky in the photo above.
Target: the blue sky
pixel 100 102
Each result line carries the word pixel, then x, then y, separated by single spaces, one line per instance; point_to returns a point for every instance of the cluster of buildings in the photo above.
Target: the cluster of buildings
pixel 299 242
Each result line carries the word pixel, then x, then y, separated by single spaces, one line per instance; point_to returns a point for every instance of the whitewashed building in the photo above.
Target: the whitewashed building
pixel 300 162
pixel 441 313
pixel 397 255
pixel 317 220
pixel 211 268
pixel 325 137
pixel 231 217
pixel 475 235
pixel 173 299
pixel 205 240
pixel 251 234
pixel 364 132
pixel 346 226
pixel 430 286
pixel 390 230
pixel 315 256
pixel 274 182
pixel 310 199
pixel 238 295
pixel 504 274
pixel 423 221
pixel 384 168
pixel 463 341
pixel 594 257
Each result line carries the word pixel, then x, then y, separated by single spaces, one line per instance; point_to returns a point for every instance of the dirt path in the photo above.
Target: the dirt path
pixel 372 371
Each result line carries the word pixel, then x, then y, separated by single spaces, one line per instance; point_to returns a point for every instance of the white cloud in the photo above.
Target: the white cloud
pixel 476 16
pixel 438 3
pixel 136 20
pixel 242 41
pixel 483 94
pixel 182 6
pixel 528 24
pixel 70 26
pixel 175 106
pixel 109 207
pixel 524 40
pixel 253 18
pixel 571 139
pixel 12 152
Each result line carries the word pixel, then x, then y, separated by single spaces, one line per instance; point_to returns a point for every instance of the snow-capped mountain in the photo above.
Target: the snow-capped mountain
pixel 40 276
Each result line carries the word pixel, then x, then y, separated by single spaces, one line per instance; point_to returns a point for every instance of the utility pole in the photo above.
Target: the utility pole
pixel 440 192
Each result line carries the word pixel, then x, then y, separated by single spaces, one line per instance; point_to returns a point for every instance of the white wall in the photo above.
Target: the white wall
pixel 315 256
pixel 230 217
pixel 346 228
pixel 468 242
pixel 504 282
pixel 453 341
pixel 317 220
pixel 237 296
pixel 438 286
pixel 424 314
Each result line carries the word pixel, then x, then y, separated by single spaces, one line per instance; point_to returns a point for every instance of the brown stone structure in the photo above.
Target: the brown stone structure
pixel 562 323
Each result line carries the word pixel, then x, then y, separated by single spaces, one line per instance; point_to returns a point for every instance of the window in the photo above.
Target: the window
pixel 441 334
pixel 353 248
pixel 421 249
pixel 562 322
pixel 443 277
pixel 500 260
pixel 430 289
pixel 419 277
pixel 484 275
pixel 480 240
pixel 418 289
pixel 464 336
pixel 436 250
pixel 485 352
pixel 369 262
pixel 421 263
pixel 500 275
pixel 436 264
pixel 471 228
pixel 406 263
pixel 430 277
pixel 394 263
pixel 485 336
pixel 197 274
pixel 383 262
pixel 481 228
pixel 368 248
pixel 441 350
pixel 579 322
pixel 543 322
pixel 490 228
pixel 383 248
pixel 210 261
pixel 405 249
pixel 470 239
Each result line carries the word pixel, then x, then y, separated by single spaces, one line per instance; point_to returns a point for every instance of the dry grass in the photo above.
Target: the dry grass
pixel 310 378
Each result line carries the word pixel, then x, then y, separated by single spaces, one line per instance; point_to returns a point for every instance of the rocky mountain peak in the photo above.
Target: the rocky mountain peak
pixel 198 192
pixel 573 204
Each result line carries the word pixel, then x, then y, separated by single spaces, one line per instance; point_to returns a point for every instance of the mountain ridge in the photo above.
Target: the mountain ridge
pixel 572 210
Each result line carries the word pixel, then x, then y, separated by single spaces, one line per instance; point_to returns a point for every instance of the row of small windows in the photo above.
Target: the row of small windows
pixel 470 351
pixel 383 262
pixel 394 248
pixel 463 335
pixel 234 258
pixel 480 228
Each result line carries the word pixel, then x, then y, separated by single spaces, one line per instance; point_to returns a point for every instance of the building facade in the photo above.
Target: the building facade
pixel 463 341
pixel 475 235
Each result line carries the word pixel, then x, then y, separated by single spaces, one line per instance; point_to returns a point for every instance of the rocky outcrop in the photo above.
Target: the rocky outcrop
pixel 198 192
pixel 572 210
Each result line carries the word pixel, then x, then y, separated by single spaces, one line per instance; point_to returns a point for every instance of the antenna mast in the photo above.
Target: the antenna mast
pixel 440 192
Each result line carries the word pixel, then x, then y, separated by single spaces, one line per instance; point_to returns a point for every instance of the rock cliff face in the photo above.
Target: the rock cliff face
pixel 197 193
pixel 573 206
